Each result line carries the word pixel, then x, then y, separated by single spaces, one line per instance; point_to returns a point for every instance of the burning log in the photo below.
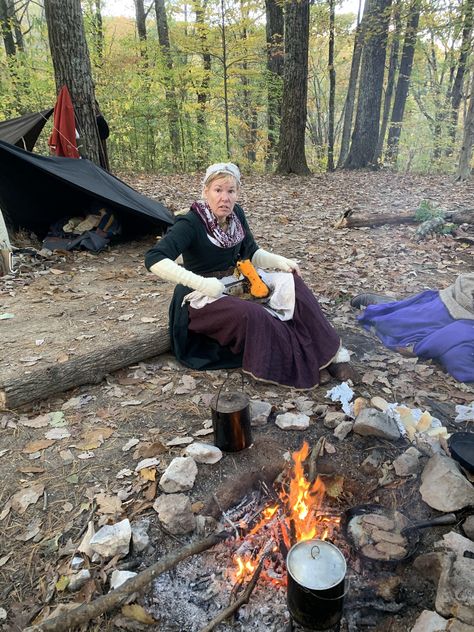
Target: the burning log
pixel 244 597
pixel 116 598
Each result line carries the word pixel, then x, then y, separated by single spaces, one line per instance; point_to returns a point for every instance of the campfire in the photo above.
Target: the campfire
pixel 296 514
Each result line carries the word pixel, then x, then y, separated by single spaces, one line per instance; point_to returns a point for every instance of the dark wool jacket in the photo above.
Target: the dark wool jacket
pixel 188 237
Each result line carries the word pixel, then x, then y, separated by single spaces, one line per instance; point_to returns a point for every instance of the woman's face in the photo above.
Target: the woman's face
pixel 221 195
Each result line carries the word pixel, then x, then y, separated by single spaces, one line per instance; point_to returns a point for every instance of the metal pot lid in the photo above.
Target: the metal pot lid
pixel 229 402
pixel 316 564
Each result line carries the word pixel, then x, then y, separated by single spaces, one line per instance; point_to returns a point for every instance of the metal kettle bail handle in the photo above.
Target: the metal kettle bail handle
pixel 229 375
pixel 347 585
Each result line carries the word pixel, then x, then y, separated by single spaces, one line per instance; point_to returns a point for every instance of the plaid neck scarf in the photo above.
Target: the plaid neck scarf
pixel 224 239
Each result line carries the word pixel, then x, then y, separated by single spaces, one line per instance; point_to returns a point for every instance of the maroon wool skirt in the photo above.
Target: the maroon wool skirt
pixel 289 353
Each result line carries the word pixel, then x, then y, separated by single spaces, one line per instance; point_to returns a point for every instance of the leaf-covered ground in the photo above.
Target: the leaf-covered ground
pixel 71 458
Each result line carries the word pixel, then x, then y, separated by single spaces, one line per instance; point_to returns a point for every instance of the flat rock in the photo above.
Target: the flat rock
pixel 429 621
pixel 259 412
pixel 292 421
pixel 379 403
pixel 204 453
pixel 343 429
pixel 455 594
pixel 333 418
pixel 371 464
pixel 456 543
pixel 77 580
pixel 179 476
pixel 112 539
pixel 371 422
pixel 120 577
pixel 444 487
pixel 468 527
pixel 175 513
pixel 408 463
pixel 140 537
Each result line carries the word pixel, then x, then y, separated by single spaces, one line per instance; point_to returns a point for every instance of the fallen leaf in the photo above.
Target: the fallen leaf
pixel 130 444
pixel 37 422
pixel 4 451
pixel 6 316
pixel 108 504
pixel 149 450
pixel 56 271
pixel 62 357
pixel 36 446
pixel 26 497
pixel 57 419
pixel 62 583
pixel 131 402
pixel 148 319
pixel 138 613
pixel 179 441
pixel 57 434
pixel 148 473
pixel 4 559
pixel 30 532
pixel 31 469
pixel 125 316
pixel 30 359
pixel 92 439
pixel 333 485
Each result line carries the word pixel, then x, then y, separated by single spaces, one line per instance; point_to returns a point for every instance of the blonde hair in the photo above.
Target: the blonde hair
pixel 219 176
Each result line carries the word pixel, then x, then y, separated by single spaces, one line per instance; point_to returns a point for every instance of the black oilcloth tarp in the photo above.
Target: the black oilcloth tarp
pixel 37 190
pixel 23 131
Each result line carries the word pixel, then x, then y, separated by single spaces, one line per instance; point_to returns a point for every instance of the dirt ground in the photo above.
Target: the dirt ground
pixel 78 450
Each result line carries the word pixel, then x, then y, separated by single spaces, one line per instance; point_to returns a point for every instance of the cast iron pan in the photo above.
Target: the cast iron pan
pixel 461 446
pixel 410 531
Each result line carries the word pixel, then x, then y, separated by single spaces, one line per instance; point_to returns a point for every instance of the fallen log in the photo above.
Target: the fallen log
pixel 88 611
pixel 347 219
pixel 88 368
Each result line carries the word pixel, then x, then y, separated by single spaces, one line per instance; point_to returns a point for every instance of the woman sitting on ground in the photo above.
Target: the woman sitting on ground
pixel 435 324
pixel 212 330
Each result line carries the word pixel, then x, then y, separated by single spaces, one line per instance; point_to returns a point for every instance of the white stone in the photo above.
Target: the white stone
pixel 259 412
pixel 379 402
pixel 179 476
pixel 146 463
pixel 343 429
pixel 429 622
pixel 292 421
pixel 333 419
pixel 140 537
pixel 175 513
pixel 444 487
pixel 204 453
pixel 371 422
pixel 179 441
pixel 77 580
pixel 3 614
pixel 408 462
pixel 468 527
pixel 76 563
pixel 120 577
pixel 455 593
pixel 112 539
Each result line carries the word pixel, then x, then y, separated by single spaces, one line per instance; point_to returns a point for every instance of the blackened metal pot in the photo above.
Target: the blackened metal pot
pixel 231 421
pixel 316 584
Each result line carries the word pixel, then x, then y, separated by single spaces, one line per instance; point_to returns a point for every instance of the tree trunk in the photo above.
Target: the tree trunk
pixel 140 19
pixel 392 69
pixel 98 30
pixel 203 88
pixel 224 70
pixel 403 82
pixel 292 157
pixel 466 43
pixel 464 167
pixel 7 34
pixel 171 100
pixel 274 30
pixel 332 87
pixel 72 68
pixel 366 128
pixel 15 22
pixel 351 90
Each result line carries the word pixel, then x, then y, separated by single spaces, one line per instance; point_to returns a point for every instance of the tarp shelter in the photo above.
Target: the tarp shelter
pixel 23 131
pixel 36 191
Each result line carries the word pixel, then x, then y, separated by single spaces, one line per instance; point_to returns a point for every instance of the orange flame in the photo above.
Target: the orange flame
pixel 295 518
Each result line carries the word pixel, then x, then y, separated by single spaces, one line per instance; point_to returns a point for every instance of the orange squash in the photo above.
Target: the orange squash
pixel 258 289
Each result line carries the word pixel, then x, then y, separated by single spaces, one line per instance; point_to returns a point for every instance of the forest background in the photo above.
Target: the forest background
pixel 188 83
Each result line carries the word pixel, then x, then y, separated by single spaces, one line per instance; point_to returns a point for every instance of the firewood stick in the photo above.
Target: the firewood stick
pixel 86 612
pixel 244 598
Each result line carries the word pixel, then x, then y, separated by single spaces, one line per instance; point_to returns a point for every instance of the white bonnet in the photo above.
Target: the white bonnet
pixel 226 168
